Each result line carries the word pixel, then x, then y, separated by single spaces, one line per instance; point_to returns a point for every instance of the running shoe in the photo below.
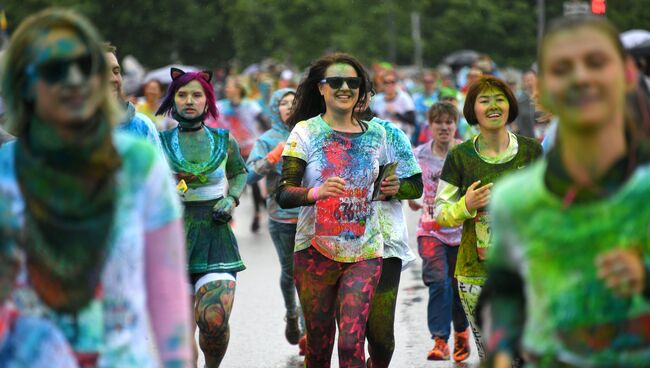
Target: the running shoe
pixel 440 350
pixel 461 345
pixel 302 345
pixel 292 329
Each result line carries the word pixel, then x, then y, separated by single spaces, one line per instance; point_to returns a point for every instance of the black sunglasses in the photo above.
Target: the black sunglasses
pixel 337 82
pixel 55 71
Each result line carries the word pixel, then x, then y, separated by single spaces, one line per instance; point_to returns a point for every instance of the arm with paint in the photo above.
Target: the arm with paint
pixel 236 174
pixel 410 188
pixel 290 194
pixel 168 294
pixel 165 268
pixel 263 159
pixel 450 207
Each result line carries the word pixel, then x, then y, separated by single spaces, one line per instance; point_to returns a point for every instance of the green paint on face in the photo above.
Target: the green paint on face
pixel 341 70
pixel 492 107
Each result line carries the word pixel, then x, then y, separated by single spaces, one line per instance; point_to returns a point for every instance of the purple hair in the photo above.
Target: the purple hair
pixel 179 79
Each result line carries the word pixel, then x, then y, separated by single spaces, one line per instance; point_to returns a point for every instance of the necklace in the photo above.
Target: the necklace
pixel 190 129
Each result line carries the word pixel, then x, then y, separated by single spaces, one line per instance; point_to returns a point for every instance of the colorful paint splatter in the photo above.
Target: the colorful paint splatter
pixel 346 228
pixel 571 315
pixel 330 289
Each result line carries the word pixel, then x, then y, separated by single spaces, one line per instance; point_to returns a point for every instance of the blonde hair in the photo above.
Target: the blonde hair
pixel 15 82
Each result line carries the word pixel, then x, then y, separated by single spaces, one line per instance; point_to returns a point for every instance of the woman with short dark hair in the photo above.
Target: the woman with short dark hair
pixel 467 176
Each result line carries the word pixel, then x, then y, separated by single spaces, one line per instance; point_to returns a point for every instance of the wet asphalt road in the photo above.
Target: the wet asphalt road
pixel 257 321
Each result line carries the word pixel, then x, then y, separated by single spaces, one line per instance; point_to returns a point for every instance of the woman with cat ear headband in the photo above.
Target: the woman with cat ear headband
pixel 211 176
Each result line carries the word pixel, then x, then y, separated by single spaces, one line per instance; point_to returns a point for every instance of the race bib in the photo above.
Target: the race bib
pixel 343 216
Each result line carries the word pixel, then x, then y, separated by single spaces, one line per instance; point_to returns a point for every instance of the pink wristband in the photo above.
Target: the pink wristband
pixel 314 193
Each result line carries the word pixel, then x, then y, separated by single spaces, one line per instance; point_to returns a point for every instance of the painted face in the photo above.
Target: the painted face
pixel 116 74
pixel 64 81
pixel 443 128
pixel 190 100
pixel 343 98
pixel 491 109
pixel 285 105
pixel 152 92
pixel 583 78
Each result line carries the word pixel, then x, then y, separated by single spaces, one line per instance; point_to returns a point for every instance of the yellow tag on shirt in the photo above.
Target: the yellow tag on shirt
pixel 181 186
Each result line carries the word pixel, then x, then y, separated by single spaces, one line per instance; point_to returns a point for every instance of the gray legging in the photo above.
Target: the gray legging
pixel 469 294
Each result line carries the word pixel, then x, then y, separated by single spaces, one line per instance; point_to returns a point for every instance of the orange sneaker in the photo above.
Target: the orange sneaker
pixel 302 345
pixel 440 350
pixel 461 345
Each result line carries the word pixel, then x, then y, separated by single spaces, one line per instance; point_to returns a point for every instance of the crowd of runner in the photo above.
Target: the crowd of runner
pixel 116 211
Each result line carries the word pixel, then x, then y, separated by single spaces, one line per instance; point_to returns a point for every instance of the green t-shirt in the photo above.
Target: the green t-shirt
pixel 571 315
pixel 464 166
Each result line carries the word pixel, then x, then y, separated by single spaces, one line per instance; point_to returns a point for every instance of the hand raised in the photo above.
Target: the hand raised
pixel 475 197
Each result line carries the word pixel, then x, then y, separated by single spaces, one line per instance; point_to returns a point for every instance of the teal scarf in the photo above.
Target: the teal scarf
pixel 70 192
pixel 194 173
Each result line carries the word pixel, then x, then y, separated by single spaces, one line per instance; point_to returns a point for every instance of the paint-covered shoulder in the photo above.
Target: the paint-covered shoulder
pixel 464 149
pixel 419 150
pixel 391 129
pixel 146 121
pixel 221 132
pixel 531 143
pixel 311 125
pixel 138 154
pixel 377 128
pixel 385 123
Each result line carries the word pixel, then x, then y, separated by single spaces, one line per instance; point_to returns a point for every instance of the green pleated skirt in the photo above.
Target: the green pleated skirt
pixel 211 247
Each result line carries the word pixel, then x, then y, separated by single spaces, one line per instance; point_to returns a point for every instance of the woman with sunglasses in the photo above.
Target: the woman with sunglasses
pixel 212 176
pixel 467 176
pixel 569 276
pixel 95 212
pixel 330 163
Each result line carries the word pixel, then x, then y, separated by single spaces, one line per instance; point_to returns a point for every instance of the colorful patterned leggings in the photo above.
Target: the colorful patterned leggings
pixel 332 291
pixel 469 294
pixel 212 307
pixel 380 328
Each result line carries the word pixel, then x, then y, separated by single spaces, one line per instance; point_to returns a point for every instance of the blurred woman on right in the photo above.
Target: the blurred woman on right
pixel 568 272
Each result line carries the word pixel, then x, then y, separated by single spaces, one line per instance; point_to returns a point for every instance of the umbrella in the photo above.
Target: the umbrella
pixel 636 42
pixel 634 37
pixel 461 58
pixel 251 69
pixel 163 74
